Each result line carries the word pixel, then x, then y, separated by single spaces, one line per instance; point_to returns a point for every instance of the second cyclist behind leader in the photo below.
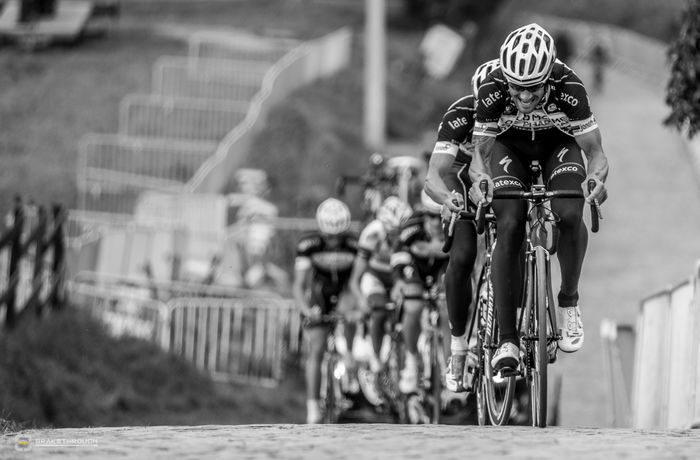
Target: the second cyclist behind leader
pixel 534 107
pixel 447 182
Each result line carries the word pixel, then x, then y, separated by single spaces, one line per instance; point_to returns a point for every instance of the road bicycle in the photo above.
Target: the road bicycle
pixel 425 406
pixel 536 319
pixel 493 391
pixel 333 373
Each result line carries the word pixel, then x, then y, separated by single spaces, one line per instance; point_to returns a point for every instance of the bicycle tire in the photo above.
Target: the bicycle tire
pixel 330 413
pixel 482 413
pixel 391 387
pixel 435 377
pixel 538 383
pixel 499 390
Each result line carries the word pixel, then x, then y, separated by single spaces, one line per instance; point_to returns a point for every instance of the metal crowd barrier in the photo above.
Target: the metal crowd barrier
pixel 236 339
pixel 247 338
pixel 219 79
pixel 179 118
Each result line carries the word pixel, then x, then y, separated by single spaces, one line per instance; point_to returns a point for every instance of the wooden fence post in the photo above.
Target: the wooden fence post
pixel 58 243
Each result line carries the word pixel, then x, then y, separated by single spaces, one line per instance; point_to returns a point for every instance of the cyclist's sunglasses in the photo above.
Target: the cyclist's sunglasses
pixel 531 88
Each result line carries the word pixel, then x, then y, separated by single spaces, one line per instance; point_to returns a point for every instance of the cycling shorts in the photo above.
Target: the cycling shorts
pixel 559 156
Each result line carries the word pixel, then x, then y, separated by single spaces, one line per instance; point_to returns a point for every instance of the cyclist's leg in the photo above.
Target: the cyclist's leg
pixel 508 172
pixel 458 285
pixel 412 309
pixel 316 333
pixel 565 171
pixel 458 288
pixel 377 297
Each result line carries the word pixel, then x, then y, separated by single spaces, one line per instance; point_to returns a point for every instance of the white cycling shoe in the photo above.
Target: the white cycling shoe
pixel 507 356
pixel 570 329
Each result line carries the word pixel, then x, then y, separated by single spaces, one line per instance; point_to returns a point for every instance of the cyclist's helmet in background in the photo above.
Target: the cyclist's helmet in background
pixel 393 213
pixel 429 205
pixel 333 217
pixel 376 159
pixel 480 74
pixel 527 55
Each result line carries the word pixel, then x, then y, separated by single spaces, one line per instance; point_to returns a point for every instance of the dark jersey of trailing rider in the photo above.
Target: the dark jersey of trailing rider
pixel 455 130
pixel 564 107
pixel 331 264
pixel 417 255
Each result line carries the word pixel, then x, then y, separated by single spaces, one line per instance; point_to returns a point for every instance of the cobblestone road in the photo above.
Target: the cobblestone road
pixel 356 442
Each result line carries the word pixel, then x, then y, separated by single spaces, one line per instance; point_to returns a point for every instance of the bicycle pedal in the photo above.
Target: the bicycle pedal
pixel 508 371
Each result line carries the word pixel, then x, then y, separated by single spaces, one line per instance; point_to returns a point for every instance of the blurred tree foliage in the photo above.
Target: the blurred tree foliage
pixel 454 13
pixel 683 91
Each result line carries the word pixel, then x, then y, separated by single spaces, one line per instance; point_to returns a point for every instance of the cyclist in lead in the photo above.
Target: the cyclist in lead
pixel 534 107
pixel 322 268
pixel 417 262
pixel 447 182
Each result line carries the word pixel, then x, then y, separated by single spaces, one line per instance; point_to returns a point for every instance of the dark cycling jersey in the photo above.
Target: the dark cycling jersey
pixel 418 251
pixel 455 130
pixel 564 108
pixel 331 263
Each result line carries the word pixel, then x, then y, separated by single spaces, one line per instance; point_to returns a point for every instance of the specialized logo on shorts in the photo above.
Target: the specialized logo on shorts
pixel 505 161
pixel 498 183
pixel 569 99
pixel 561 154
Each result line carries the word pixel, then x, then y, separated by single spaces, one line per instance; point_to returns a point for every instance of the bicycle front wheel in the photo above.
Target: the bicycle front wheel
pixel 436 373
pixel 331 391
pixel 498 389
pixel 538 380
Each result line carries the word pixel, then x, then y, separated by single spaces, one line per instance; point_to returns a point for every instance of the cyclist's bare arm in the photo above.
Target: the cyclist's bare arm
pixel 435 187
pixel 592 147
pixel 480 167
pixel 358 268
pixel 302 274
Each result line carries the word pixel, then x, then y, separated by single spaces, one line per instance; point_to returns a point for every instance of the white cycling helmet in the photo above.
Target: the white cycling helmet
pixel 393 213
pixel 333 217
pixel 527 55
pixel 431 206
pixel 481 72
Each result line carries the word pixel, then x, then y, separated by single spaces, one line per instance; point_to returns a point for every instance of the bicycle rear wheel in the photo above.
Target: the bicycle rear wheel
pixel 436 373
pixel 330 390
pixel 499 390
pixel 540 356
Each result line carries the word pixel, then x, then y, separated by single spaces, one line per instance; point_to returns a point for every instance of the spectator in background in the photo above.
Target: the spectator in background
pixel 599 61
pixel 255 227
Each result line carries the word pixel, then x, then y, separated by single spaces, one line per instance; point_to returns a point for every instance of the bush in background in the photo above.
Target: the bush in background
pixel 683 90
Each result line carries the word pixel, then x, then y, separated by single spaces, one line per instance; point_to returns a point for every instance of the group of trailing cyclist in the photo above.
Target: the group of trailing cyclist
pixel 525 106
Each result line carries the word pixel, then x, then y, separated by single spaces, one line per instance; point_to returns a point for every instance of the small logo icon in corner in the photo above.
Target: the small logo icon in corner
pixel 22 443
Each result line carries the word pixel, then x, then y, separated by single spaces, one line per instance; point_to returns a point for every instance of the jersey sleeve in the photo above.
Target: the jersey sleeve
pixel 456 126
pixel 573 98
pixel 369 239
pixel 307 245
pixel 490 105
